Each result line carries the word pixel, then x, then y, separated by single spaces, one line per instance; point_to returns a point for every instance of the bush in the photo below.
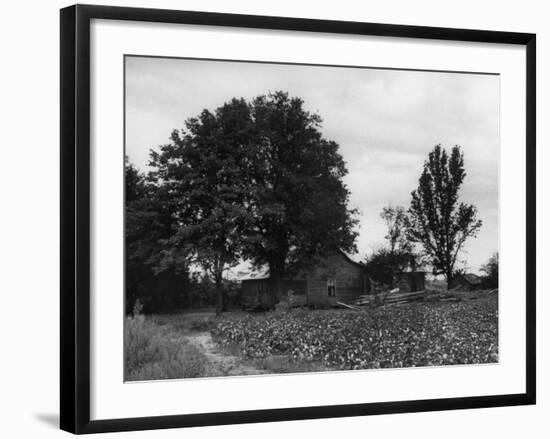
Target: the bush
pixel 490 280
pixel 152 353
pixel 383 264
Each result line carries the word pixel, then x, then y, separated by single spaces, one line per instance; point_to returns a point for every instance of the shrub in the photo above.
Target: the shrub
pixel 383 264
pixel 490 280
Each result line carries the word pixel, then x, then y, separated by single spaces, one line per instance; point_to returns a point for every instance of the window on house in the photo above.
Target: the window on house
pixel 331 288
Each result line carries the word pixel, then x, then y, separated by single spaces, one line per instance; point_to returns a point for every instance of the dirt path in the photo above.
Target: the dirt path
pixel 221 364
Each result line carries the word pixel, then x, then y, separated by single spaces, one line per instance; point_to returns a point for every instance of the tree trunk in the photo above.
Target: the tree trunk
pixel 276 276
pixel 449 276
pixel 219 293
pixel 392 266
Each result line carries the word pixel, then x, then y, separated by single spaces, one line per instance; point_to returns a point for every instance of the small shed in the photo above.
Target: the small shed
pixel 465 282
pixel 409 281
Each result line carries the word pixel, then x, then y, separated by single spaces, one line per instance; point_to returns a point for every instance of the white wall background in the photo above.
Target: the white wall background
pixel 29 169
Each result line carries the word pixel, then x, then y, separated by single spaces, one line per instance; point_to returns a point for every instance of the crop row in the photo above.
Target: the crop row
pixel 421 334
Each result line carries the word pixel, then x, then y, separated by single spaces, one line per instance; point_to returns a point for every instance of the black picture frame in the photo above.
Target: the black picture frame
pixel 75 217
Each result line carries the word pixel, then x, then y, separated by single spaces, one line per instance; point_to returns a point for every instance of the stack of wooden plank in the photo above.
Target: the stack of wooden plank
pixel 394 297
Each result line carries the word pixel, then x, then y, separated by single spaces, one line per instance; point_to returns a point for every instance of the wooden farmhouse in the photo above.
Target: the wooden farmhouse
pixel 337 278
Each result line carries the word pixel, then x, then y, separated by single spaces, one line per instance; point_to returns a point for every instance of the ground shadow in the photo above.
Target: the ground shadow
pixel 50 419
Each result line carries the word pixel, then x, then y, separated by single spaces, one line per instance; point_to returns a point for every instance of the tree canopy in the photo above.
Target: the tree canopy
pixel 301 202
pixel 203 176
pixel 396 221
pixel 148 221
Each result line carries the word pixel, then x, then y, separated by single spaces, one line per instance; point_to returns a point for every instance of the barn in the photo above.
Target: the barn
pixel 465 282
pixel 336 278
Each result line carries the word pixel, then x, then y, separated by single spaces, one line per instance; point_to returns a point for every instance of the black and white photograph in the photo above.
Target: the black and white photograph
pixel 255 219
pixel 286 218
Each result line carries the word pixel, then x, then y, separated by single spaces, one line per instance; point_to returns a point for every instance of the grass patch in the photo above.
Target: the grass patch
pixel 202 325
pixel 187 321
pixel 155 352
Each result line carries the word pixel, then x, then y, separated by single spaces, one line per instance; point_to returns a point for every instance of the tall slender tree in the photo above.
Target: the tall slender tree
pixel 438 220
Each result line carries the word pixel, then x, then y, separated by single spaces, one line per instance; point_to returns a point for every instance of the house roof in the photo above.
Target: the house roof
pixel 411 272
pixel 263 275
pixel 360 264
pixel 246 279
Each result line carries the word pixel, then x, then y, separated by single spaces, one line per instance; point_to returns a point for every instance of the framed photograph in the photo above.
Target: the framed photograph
pixel 268 218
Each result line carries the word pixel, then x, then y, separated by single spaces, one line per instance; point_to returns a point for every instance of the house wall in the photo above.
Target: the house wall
pixel 256 293
pixel 350 281
pixel 294 292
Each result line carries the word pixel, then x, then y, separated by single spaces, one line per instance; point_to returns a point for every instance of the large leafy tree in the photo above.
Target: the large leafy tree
pixel 438 220
pixel 300 200
pixel 203 174
pixel 253 180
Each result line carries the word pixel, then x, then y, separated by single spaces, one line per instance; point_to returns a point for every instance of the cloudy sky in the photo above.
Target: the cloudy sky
pixel 385 121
